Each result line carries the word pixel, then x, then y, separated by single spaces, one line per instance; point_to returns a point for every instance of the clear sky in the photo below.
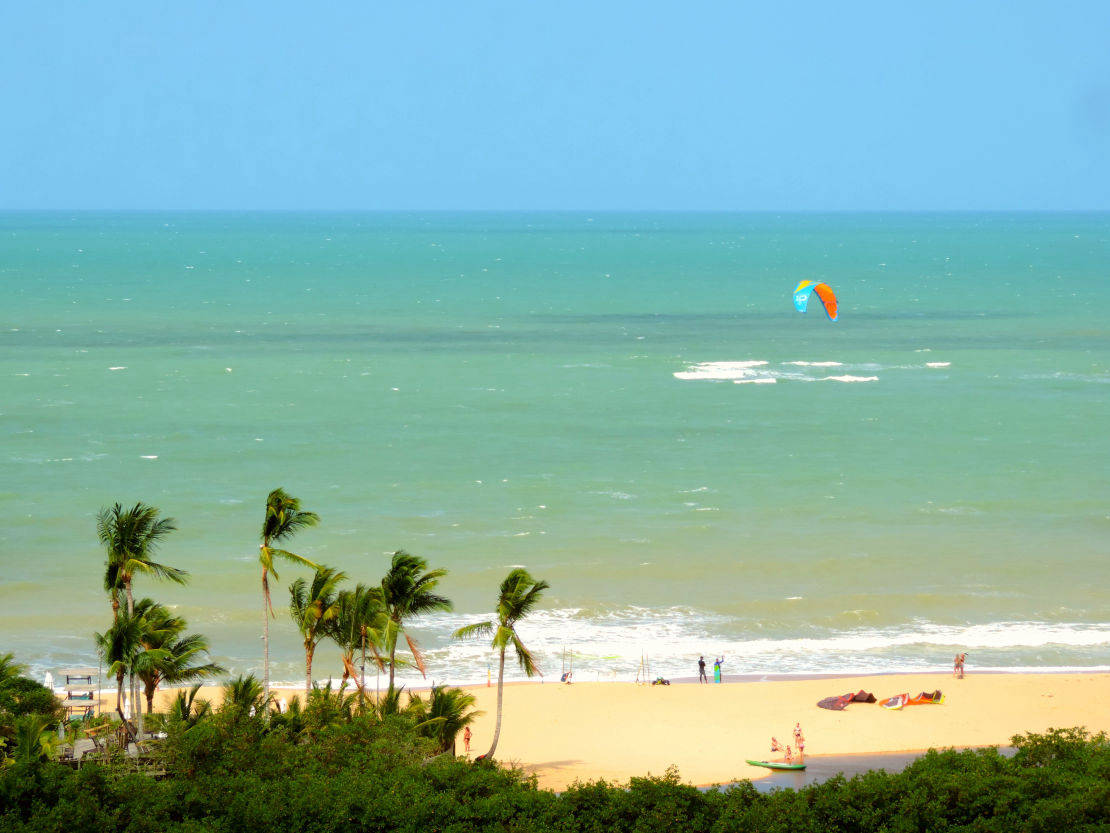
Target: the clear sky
pixel 562 105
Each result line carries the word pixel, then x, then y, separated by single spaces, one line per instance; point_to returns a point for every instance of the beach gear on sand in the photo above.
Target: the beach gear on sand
pixel 807 288
pixel 925 698
pixel 838 704
pixel 776 765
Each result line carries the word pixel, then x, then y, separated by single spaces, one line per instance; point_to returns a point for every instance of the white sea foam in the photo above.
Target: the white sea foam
pixel 938 364
pixel 119 367
pixel 610 643
pixel 851 378
pixel 816 364
pixel 763 380
pixel 719 371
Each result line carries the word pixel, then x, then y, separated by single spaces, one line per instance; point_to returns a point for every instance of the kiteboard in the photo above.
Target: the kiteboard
pixel 777 765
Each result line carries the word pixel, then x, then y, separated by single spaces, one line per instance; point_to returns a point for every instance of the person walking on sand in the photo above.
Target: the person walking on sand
pixel 701 671
pixel 466 741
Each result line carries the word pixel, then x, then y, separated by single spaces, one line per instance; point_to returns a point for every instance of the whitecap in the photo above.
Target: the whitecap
pixel 851 379
pixel 938 364
pixel 719 371
pixel 816 364
pixel 121 367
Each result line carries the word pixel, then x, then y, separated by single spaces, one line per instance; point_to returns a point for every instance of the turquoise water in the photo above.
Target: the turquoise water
pixel 561 391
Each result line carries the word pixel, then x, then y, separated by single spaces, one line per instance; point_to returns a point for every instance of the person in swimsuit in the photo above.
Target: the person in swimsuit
pixel 466 741
pixel 701 671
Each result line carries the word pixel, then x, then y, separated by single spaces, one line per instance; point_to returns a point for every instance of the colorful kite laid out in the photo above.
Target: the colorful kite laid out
pixel 807 288
pixel 923 699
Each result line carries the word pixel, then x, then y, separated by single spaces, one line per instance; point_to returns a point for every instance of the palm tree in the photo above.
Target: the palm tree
pixel 120 645
pixel 244 696
pixel 131 537
pixel 9 668
pixel 445 713
pixel 284 518
pixel 407 592
pixel 187 710
pixel 519 595
pixel 33 740
pixel 312 608
pixel 181 660
pixel 359 623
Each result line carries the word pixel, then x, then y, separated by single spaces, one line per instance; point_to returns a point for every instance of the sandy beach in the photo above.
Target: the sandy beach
pixel 616 731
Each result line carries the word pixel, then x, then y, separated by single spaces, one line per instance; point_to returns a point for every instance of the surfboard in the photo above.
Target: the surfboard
pixel 777 765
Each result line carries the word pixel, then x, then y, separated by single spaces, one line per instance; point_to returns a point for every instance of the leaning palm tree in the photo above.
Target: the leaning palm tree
pixel 312 607
pixel 407 592
pixel 131 537
pixel 359 624
pixel 520 593
pixel 284 518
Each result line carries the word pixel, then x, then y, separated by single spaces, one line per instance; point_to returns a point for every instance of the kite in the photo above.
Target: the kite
pixel 807 288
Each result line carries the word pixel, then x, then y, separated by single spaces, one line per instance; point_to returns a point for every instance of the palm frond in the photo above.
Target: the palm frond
pixel 525 658
pixel 474 630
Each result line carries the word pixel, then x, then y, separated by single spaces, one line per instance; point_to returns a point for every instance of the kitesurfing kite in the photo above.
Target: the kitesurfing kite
pixel 807 288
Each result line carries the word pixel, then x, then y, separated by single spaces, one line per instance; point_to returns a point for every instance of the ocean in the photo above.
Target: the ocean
pixel 626 404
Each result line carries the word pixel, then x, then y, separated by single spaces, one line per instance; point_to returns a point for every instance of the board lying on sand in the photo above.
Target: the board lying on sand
pixel 777 765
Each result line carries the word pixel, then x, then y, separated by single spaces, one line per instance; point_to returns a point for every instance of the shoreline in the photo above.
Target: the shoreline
pixel 589 731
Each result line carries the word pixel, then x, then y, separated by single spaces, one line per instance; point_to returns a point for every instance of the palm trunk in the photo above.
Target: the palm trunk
pixel 364 665
pixel 119 709
pixel 265 633
pixel 392 662
pixel 309 650
pixel 500 692
pixel 137 704
pixel 150 697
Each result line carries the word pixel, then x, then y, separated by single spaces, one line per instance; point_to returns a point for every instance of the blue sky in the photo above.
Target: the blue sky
pixel 522 105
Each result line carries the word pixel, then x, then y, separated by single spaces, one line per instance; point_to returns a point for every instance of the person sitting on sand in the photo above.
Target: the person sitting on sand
pixel 775 745
pixel 789 757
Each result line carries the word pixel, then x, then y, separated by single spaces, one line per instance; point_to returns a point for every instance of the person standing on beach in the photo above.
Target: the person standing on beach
pixel 466 741
pixel 958 668
pixel 717 669
pixel 701 671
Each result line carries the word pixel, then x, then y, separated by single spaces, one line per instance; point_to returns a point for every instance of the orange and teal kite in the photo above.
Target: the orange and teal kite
pixel 807 288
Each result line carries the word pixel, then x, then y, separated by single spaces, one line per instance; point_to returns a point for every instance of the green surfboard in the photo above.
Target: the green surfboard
pixel 774 765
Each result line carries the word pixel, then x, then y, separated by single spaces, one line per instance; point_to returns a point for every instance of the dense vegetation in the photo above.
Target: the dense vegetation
pixel 333 767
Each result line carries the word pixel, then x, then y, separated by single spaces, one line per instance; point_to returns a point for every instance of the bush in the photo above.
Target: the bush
pixel 230 772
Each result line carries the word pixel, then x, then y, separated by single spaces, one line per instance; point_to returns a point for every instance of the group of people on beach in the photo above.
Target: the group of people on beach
pixel 958 666
pixel 717 663
pixel 795 755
